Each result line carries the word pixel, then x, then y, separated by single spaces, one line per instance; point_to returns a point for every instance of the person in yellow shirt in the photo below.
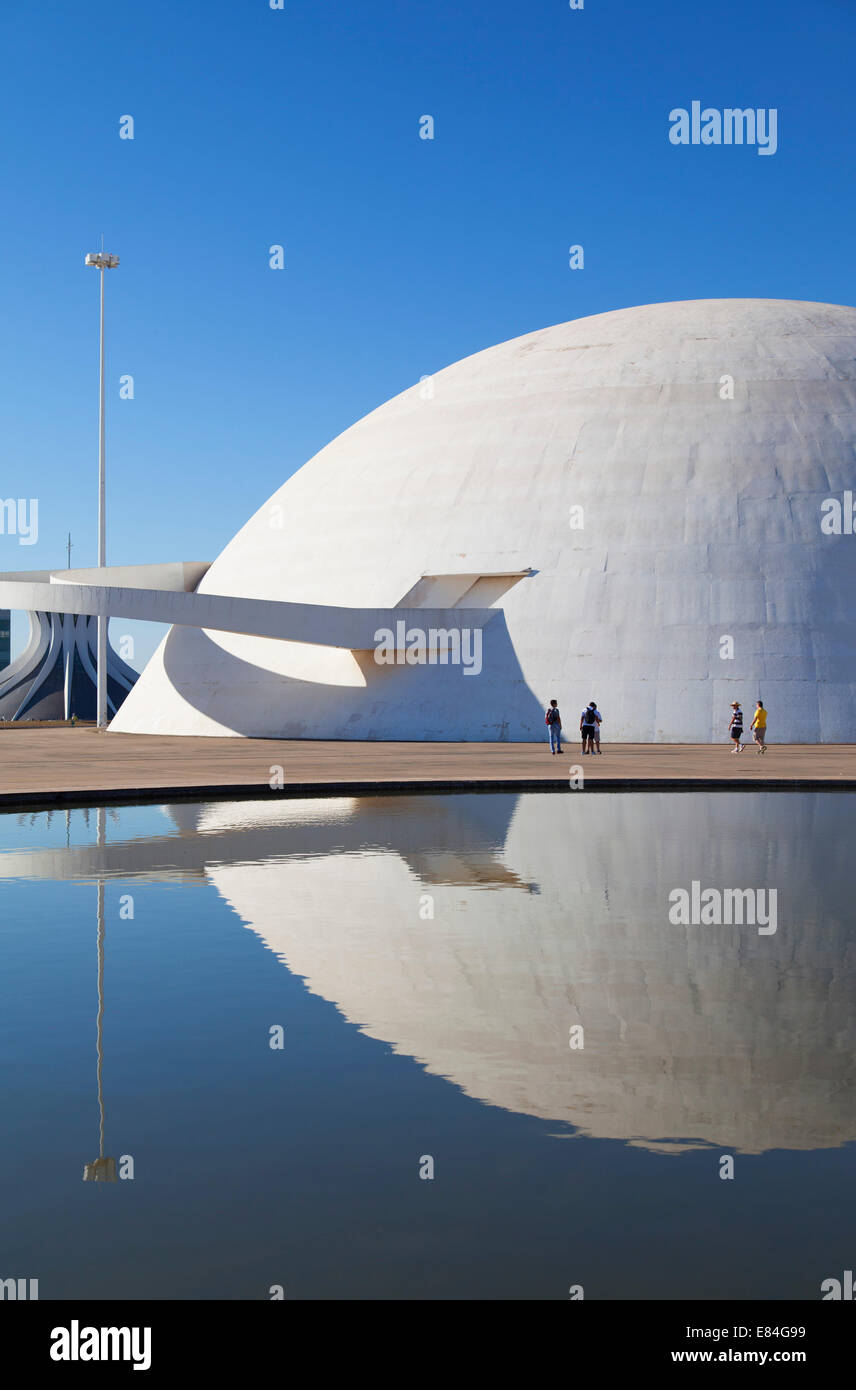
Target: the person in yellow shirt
pixel 759 727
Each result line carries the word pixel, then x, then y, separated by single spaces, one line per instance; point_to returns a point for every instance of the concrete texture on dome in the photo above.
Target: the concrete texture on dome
pixel 701 521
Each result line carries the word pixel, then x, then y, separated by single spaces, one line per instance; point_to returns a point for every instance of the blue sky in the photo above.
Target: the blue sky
pixel 300 127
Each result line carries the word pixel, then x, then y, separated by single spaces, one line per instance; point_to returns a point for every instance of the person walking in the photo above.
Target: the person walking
pixel 759 727
pixel 588 726
pixel 735 726
pixel 553 720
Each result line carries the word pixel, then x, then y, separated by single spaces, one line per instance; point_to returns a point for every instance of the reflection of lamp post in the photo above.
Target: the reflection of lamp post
pixel 102 1169
pixel 102 261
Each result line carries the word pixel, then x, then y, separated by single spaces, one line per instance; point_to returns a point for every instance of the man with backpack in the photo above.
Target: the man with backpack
pixel 588 726
pixel 553 720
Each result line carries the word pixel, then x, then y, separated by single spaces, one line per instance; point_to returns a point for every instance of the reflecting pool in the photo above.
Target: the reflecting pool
pixel 428 1047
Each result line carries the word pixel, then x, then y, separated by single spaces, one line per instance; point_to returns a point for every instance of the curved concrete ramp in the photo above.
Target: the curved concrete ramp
pixel 166 598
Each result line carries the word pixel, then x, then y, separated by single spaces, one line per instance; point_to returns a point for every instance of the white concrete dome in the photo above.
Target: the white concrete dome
pixel 701 521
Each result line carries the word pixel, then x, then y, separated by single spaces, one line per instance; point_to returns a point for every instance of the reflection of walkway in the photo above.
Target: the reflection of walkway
pixel 444 841
pixel 46 765
pixel 701 1035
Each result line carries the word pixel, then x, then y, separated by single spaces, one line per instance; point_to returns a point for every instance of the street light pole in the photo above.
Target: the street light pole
pixel 102 262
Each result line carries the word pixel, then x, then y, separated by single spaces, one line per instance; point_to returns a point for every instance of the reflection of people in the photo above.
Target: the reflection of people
pixel 735 725
pixel 553 720
pixel 759 727
pixel 588 726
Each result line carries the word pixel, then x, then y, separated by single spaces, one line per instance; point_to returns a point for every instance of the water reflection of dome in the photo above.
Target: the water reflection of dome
pixel 712 1035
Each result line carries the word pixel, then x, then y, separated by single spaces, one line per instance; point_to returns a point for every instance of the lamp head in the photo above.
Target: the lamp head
pixel 102 260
